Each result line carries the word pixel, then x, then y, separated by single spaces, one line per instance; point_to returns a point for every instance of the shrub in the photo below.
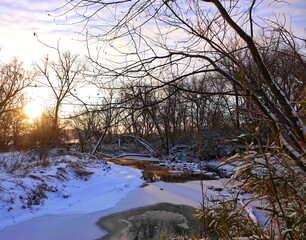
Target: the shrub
pixel 277 183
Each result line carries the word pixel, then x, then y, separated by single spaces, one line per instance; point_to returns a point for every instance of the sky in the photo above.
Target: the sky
pixel 21 19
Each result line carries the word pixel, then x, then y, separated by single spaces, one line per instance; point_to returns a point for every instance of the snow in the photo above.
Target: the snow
pixel 176 167
pixel 82 226
pixel 175 172
pixel 138 157
pixel 75 202
pixel 249 210
pixel 105 187
pixel 226 170
pixel 289 147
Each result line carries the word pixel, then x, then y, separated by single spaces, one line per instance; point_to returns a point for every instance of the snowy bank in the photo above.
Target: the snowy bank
pixel 69 185
pixel 83 226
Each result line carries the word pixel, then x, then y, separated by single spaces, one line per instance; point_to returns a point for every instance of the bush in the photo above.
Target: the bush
pixel 272 179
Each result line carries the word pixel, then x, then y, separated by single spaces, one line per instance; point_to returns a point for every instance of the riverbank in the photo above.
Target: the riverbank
pixel 70 184
pixel 163 193
pixel 84 226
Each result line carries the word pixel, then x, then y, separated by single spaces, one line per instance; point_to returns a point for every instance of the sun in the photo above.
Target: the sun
pixel 33 109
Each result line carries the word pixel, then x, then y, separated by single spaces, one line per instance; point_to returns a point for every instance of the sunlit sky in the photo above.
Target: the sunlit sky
pixel 21 19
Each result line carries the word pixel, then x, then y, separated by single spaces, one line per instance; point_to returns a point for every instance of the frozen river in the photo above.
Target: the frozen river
pixel 83 226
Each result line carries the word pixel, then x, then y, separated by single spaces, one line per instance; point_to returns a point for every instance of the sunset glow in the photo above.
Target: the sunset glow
pixel 33 109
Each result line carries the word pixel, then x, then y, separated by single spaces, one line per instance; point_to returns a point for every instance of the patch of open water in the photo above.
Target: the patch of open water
pixel 152 172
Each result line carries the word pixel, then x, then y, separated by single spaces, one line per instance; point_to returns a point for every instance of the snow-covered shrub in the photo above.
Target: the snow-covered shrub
pixel 225 218
pixel 79 170
pixel 17 163
pixel 275 181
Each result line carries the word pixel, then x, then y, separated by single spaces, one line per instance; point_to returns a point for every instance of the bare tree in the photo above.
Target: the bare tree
pixel 13 80
pixel 108 117
pixel 86 127
pixel 212 33
pixel 61 77
pixel 171 41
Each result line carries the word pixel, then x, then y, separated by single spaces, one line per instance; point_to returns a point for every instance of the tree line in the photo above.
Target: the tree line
pixel 202 109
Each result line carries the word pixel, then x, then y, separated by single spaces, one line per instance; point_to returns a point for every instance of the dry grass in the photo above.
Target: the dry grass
pixel 79 170
pixel 274 180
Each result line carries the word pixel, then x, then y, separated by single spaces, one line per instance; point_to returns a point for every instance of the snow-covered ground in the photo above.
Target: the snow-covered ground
pixel 82 226
pixel 69 185
pixel 138 157
pixel 67 198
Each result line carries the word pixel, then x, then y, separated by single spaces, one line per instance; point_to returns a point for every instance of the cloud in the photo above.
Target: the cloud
pixel 292 13
pixel 20 19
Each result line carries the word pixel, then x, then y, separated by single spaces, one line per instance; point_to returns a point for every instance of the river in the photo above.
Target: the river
pixel 76 226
